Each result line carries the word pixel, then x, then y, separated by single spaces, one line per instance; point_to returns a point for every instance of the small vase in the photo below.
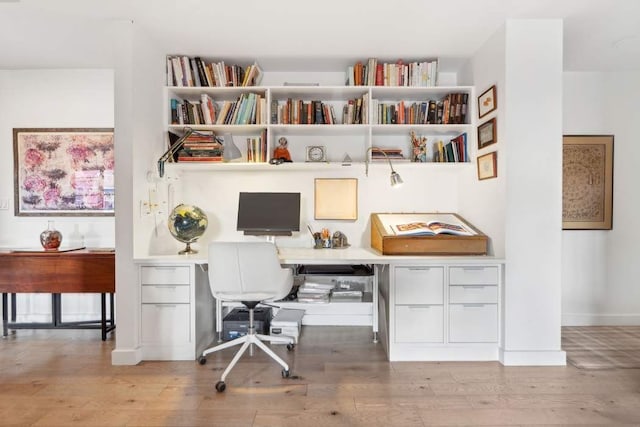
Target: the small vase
pixel 50 238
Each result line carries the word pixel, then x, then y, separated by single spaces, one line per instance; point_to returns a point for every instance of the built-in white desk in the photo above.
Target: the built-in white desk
pixel 423 307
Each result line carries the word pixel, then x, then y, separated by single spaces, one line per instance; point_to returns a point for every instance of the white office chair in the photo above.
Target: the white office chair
pixel 248 272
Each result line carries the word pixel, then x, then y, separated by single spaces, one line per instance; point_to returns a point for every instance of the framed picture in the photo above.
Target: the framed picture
pixel 336 198
pixel 63 172
pixel 487 102
pixel 587 182
pixel 487 133
pixel 488 165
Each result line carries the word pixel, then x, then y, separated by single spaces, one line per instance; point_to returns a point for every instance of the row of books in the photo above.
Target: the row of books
pixel 257 148
pixel 248 108
pixel 184 71
pixel 452 109
pixel 453 151
pixel 300 112
pixel 201 146
pixel 373 73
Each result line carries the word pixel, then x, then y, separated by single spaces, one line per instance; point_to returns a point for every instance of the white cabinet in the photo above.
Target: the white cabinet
pixel 419 300
pixel 473 304
pixel 444 310
pixel 171 328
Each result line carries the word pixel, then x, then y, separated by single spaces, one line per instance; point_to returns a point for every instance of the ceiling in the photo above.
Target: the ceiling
pixel 599 35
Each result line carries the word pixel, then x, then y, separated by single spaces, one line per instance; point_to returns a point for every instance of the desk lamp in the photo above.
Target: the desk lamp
pixel 396 181
pixel 230 150
pixel 168 155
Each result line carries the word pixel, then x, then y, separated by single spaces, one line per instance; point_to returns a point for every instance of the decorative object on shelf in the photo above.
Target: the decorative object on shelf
pixel 281 152
pixel 336 198
pixel 175 147
pixel 587 182
pixel 487 102
pixel 419 146
pixel 396 180
pixel 50 239
pixel 186 224
pixel 230 150
pixel 63 172
pixel 487 165
pixel 487 133
pixel 316 153
pixel 346 161
pixel 339 240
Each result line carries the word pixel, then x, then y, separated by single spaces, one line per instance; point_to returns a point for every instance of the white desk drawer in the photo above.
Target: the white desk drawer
pixel 473 323
pixel 419 324
pixel 473 294
pixel 473 275
pixel 164 275
pixel 419 285
pixel 165 293
pixel 165 324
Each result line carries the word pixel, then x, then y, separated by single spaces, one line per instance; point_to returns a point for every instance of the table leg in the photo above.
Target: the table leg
pixel 56 310
pixel 5 317
pixel 112 310
pixel 103 314
pixel 14 310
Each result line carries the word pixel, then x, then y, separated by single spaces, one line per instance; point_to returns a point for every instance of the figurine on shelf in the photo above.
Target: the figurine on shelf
pixel 282 152
pixel 419 148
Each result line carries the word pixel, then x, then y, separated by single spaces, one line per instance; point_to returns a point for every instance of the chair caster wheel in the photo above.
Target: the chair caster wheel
pixel 220 386
pixel 285 373
pixel 202 360
pixel 290 347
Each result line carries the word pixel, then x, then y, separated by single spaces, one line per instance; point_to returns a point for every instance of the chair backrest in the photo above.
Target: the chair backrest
pixel 248 271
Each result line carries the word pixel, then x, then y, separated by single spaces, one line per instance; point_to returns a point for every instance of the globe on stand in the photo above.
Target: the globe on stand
pixel 186 224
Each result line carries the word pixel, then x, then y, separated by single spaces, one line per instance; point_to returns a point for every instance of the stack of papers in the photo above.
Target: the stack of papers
pixel 314 292
pixel 339 295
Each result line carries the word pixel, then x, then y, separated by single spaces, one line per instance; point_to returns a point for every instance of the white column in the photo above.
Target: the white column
pixel 533 226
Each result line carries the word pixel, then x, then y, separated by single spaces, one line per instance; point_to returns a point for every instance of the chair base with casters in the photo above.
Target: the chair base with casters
pixel 246 341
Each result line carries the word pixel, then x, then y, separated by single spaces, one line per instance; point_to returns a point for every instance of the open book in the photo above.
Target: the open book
pixel 421 228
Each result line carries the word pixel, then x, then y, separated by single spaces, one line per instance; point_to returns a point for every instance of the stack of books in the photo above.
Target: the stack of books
pixel 201 146
pixel 395 154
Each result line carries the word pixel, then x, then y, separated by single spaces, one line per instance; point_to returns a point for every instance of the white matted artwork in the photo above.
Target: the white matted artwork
pixel 336 198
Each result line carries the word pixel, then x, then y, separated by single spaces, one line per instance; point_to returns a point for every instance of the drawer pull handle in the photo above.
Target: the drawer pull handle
pixel 162 267
pixel 166 286
pixel 473 305
pixel 419 268
pixel 166 306
pixel 472 268
pixel 473 286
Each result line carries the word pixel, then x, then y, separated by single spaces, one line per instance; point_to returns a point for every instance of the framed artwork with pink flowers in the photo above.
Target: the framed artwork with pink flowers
pixel 63 172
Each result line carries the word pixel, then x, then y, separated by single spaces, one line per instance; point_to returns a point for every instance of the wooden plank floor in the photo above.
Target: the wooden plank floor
pixel 340 378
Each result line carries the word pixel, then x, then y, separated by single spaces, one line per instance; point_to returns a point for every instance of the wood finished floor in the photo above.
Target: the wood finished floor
pixel 340 378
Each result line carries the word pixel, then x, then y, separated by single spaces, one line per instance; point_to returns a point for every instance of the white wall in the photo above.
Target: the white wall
pixel 600 267
pixel 533 131
pixel 48 99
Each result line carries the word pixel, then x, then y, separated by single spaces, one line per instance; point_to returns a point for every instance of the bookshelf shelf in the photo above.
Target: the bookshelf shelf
pixel 349 134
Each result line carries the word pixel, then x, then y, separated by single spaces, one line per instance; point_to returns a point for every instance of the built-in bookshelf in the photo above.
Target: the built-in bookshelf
pixel 345 119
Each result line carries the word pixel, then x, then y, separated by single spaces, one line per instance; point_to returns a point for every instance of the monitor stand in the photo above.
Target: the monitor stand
pixel 272 239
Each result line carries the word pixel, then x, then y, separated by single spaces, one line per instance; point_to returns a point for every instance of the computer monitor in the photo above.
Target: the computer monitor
pixel 268 214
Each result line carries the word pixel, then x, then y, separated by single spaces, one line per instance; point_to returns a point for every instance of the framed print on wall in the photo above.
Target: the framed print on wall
pixel 336 198
pixel 488 165
pixel 487 133
pixel 487 102
pixel 587 182
pixel 63 172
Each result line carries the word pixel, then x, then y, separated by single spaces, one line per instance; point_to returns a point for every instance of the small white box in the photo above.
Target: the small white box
pixel 287 323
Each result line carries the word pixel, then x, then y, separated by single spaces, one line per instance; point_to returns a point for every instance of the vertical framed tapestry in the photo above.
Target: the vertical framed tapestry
pixel 63 172
pixel 587 182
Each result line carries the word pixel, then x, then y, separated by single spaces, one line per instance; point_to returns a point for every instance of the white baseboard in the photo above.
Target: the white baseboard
pixel 126 356
pixel 588 319
pixel 533 358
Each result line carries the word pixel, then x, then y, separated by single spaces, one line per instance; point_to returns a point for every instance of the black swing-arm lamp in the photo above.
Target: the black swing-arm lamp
pixel 168 155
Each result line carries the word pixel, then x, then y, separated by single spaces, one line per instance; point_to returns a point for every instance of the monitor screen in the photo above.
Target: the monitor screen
pixel 269 214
